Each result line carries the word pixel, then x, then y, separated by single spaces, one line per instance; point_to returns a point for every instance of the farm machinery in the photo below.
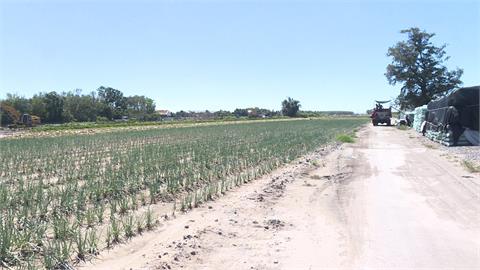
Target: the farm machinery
pixel 19 120
pixel 380 114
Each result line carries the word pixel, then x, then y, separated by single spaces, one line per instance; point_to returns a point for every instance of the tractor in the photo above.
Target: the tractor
pixel 381 115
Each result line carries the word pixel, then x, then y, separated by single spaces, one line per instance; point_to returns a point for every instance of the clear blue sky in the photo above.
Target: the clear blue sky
pixel 197 55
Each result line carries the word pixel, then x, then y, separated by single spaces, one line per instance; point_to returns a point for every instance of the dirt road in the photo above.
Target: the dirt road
pixel 384 202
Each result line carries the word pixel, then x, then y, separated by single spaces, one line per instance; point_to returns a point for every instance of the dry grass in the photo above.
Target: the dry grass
pixel 471 167
pixel 431 146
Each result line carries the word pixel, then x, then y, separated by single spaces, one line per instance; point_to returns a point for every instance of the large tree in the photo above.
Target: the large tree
pixel 78 107
pixel 418 65
pixel 20 103
pixel 54 107
pixel 290 107
pixel 113 103
pixel 140 107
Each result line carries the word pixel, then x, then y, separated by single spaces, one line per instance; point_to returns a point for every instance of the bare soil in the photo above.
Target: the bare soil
pixel 386 201
pixel 4 133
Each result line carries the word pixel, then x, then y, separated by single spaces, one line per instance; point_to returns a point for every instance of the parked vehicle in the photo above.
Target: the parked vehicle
pixel 381 115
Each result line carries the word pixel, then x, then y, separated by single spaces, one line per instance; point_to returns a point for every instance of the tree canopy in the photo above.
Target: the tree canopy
pixel 418 65
pixel 106 104
pixel 73 106
pixel 290 107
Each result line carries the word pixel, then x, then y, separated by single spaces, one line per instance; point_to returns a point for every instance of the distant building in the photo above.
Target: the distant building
pixel 164 113
pixel 258 113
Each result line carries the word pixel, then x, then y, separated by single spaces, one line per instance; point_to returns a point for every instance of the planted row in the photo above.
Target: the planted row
pixel 96 182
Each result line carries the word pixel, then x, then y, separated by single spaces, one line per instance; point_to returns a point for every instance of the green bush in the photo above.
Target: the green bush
pixel 345 138
pixel 102 119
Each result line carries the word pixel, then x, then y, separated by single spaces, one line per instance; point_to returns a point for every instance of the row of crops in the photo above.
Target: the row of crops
pixel 64 199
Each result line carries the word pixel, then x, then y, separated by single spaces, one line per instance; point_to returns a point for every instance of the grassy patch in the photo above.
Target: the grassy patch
pixel 315 163
pixel 345 138
pixel 470 166
pixel 431 146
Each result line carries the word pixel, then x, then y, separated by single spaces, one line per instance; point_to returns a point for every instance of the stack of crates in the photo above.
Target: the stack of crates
pixel 420 113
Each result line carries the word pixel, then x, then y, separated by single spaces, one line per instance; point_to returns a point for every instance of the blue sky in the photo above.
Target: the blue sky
pixel 196 55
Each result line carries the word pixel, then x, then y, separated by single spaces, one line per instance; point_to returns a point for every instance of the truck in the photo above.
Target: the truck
pixel 381 115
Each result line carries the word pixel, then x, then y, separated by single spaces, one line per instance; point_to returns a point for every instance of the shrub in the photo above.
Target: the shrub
pixel 345 138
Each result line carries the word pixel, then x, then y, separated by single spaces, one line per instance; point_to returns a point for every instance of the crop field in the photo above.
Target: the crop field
pixel 64 199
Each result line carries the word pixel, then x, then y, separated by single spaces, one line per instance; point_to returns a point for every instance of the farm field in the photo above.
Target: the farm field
pixel 66 198
pixel 384 200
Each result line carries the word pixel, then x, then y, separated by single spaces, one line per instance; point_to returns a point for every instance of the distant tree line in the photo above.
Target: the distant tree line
pixel 325 113
pixel 253 112
pixel 290 108
pixel 109 104
pixel 104 104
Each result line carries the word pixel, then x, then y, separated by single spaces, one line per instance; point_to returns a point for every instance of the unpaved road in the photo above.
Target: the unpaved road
pixel 385 202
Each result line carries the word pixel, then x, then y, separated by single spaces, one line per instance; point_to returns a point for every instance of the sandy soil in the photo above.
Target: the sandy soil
pixel 4 133
pixel 384 202
pixel 30 133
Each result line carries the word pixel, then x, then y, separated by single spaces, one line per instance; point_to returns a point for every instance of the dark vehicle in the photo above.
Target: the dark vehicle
pixel 381 115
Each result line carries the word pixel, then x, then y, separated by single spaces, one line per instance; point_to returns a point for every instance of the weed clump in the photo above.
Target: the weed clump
pixel 470 166
pixel 345 138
